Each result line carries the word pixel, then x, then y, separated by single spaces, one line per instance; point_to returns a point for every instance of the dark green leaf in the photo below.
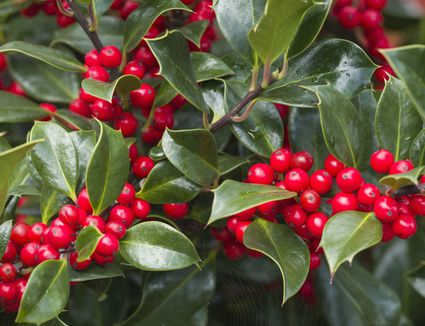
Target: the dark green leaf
pixel 185 292
pixel 213 92
pixel 15 108
pixel 193 153
pixel 8 7
pixel 108 169
pixel 347 68
pixel 156 246
pixel 234 197
pixel 139 22
pixel 201 208
pixel 84 141
pixel 56 158
pixel 166 184
pixel 208 66
pixel 416 278
pixel 396 181
pixel 122 85
pixel 51 202
pixel 417 150
pixel 5 229
pixel 96 272
pixel 287 250
pixel 173 57
pixel 46 294
pixel 397 121
pixel 98 9
pixel 87 241
pixel 277 28
pixel 194 31
pixel 24 190
pixel 72 120
pixel 407 63
pixel 348 233
pixel 165 94
pixel 56 58
pixel 228 163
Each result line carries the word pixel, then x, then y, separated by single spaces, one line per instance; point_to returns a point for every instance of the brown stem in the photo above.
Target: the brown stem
pixel 409 190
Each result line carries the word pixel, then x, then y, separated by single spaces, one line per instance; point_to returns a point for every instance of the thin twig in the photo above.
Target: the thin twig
pixel 409 190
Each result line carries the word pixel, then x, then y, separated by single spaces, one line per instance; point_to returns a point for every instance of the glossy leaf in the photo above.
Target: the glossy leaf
pixel 43 82
pixel 208 66
pixel 105 91
pixel 166 184
pixel 156 246
pixel 173 57
pixel 234 197
pixel 416 278
pixel 96 272
pixel 347 68
pixel 51 202
pixel 56 158
pixel 310 27
pixel 84 141
pixel 5 230
pixel 417 150
pixel 185 292
pixel 407 64
pixel 228 163
pixel 348 233
pixel 56 58
pixel 200 211
pixel 139 22
pixel 14 108
pixel 193 153
pixel 98 9
pixel 108 169
pixel 275 31
pixel 194 31
pixel 86 242
pixel 46 294
pixel 165 94
pixel 397 121
pixel 72 120
pixel 396 181
pixel 287 250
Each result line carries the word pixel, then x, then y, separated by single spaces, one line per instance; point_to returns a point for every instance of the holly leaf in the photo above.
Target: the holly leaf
pixel 105 91
pixel 397 181
pixel 348 233
pixel 46 294
pixel 193 153
pixel 5 230
pixel 233 197
pixel 139 22
pixel 72 120
pixel 166 184
pixel 108 169
pixel 416 278
pixel 176 67
pixel 96 272
pixel 56 158
pixel 87 241
pixel 227 163
pixel 157 246
pixel 98 9
pixel 207 66
pixel 194 31
pixel 287 250
pixel 15 108
pixel 277 28
pixel 397 121
pixel 417 150
pixel 51 202
pixel 84 141
pixel 56 58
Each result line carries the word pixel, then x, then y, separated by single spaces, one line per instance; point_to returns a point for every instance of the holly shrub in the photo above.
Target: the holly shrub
pixel 199 162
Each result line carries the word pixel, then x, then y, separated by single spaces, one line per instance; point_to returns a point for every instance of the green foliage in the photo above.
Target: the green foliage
pixel 86 242
pixel 122 85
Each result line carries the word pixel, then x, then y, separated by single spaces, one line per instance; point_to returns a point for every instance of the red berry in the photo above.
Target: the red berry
pixel 127 194
pixel 268 208
pixel 371 19
pixel 375 4
pixel 127 123
pixel 19 234
pixel 28 254
pixel 57 222
pixel 368 194
pixel 64 21
pixel 402 166
pixel 222 234
pixel 163 120
pixel 92 58
pixel 344 202
pixel 349 179
pixel 333 165
pixel 302 232
pixel 260 173
pixel 9 253
pixel 151 136
pixel 314 261
pixel 321 181
pixel 97 73
pixel 59 237
pixel 231 223
pixel 280 160
pixel 246 214
pixel 233 250
pixel 93 220
pixel 3 62
pixel 296 180
pixel 143 97
pixel 69 214
pixel 310 200
pixel 84 201
pixel 49 108
pixel 102 110
pixel 132 152
pixel 78 266
pixel 108 245
pixel 302 160
pixel 386 209
pixel 178 102
pixel 110 56
pixel 316 223
pixel 381 161
pixel 7 272
pixel 102 260
pixel 8 292
pixel 117 4
pixel 145 55
pixel 387 232
pixel 404 226
pixel 80 107
pixel 176 210
pixel 16 88
pixel 135 68
pixel 349 17
pixel 122 214
pixel 240 230
pixel 417 204
pixel 384 73
pixel 21 285
pixel 36 231
pixel 116 228
pixel 47 252
pixel 294 215
pixel 142 166
pixel 128 8
pixel 140 208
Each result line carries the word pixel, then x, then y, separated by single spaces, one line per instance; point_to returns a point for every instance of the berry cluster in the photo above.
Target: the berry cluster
pixel 367 15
